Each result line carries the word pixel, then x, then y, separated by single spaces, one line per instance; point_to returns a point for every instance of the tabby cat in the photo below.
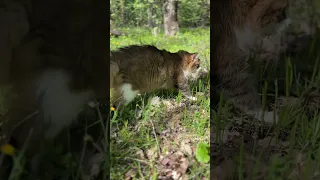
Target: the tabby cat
pixel 142 69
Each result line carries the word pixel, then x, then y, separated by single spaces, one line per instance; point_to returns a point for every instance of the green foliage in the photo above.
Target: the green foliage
pixel 149 13
pixel 194 13
pixel 202 152
pixel 193 40
pixel 135 12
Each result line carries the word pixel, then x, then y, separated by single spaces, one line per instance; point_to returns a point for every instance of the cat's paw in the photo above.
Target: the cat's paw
pixel 268 116
pixel 203 72
pixel 192 98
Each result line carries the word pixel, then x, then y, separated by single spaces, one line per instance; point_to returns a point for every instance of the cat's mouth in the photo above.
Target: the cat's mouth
pixel 197 74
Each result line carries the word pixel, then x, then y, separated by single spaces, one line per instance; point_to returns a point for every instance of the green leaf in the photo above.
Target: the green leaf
pixel 202 152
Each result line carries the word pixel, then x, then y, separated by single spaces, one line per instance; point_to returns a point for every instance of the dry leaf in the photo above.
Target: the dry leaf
pixel 176 165
pixel 152 153
pixel 184 177
pixel 140 154
pixel 165 161
pixel 186 148
pixel 131 174
pixel 184 164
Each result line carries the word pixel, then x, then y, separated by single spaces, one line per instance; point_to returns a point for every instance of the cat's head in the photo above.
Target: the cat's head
pixel 256 19
pixel 190 64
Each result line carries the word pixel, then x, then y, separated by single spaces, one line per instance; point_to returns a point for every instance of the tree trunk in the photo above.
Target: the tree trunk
pixel 150 15
pixel 122 11
pixel 171 25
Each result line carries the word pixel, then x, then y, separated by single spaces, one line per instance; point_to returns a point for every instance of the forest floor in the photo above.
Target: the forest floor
pixel 162 135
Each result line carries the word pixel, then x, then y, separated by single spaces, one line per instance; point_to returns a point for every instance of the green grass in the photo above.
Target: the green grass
pixel 289 149
pixel 146 132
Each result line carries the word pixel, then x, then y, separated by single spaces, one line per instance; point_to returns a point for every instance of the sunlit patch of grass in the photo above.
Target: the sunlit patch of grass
pixel 139 128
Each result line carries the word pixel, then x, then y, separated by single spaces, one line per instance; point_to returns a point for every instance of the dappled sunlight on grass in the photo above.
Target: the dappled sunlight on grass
pixel 149 130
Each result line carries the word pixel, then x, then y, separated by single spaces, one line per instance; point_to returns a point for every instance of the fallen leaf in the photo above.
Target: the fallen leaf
pixel 165 161
pixel 176 165
pixel 140 154
pixel 184 177
pixel 152 153
pixel 131 174
pixel 185 147
pixel 175 156
pixel 184 164
pixel 176 175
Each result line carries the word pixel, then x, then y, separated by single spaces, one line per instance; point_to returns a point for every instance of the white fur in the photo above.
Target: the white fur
pixel 59 105
pixel 127 93
pixel 186 74
pixel 199 72
pixel 195 74
pixel 284 26
pixel 192 98
pixel 268 116
pixel 245 38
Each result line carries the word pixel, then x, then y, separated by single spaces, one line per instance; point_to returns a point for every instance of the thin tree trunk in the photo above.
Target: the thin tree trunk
pixel 171 25
pixel 122 11
pixel 150 15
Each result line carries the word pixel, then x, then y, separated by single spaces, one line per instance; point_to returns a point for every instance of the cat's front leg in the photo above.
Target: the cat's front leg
pixel 267 116
pixel 242 93
pixel 250 104
pixel 184 88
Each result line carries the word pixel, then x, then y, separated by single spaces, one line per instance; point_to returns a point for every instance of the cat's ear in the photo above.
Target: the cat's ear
pixel 195 56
